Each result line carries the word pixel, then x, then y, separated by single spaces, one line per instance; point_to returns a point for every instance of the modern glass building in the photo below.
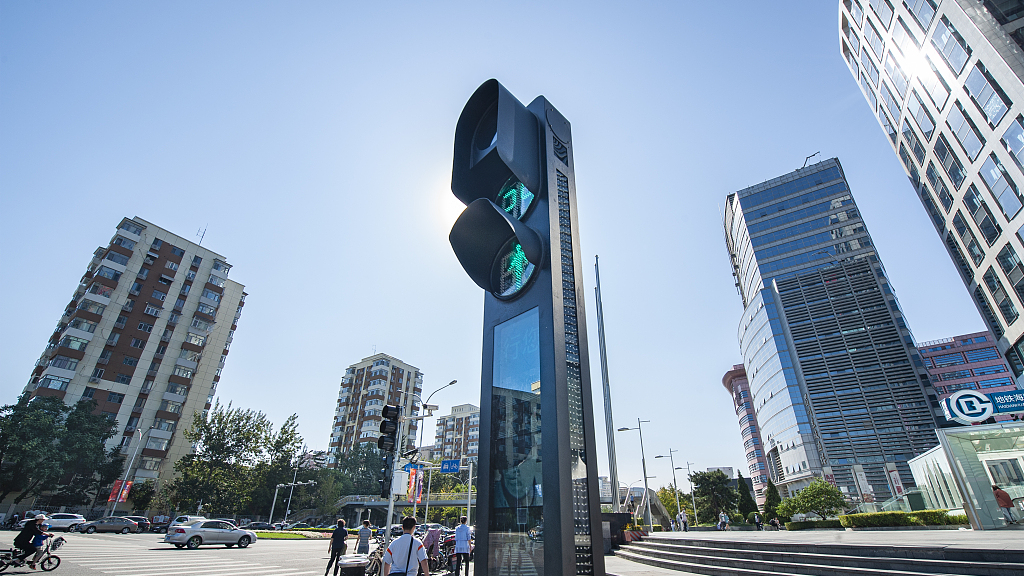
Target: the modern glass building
pixel 945 80
pixel 838 388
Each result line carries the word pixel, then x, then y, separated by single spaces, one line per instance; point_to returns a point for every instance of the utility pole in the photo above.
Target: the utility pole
pixel 693 497
pixel 295 475
pixel 675 484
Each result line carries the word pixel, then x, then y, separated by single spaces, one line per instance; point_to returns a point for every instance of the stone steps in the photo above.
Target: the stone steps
pixel 743 558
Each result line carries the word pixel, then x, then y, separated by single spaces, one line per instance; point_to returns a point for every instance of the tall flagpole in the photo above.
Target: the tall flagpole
pixel 609 426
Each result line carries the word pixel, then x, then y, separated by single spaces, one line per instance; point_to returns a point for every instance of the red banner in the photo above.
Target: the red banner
pixel 115 491
pixel 124 491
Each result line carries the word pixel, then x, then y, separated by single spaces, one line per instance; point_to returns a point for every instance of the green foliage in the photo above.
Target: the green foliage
pixel 745 502
pixel 142 495
pixel 813 524
pixel 657 528
pixel 713 495
pixel 668 494
pixel 236 459
pixel 819 497
pixel 750 517
pixel 47 445
pixel 771 501
pixel 918 518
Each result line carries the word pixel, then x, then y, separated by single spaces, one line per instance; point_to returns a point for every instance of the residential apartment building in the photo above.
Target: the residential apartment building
pixel 457 435
pixel 967 362
pixel 836 385
pixel 736 384
pixel 367 386
pixel 945 80
pixel 145 335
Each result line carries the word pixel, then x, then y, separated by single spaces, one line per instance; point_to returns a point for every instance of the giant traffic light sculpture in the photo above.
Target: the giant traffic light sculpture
pixel 386 443
pixel 518 240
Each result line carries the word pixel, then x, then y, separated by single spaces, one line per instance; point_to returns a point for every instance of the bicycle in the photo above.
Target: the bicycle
pixel 48 562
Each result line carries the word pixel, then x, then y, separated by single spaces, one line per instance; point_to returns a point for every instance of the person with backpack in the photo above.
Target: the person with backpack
pixel 406 554
pixel 337 547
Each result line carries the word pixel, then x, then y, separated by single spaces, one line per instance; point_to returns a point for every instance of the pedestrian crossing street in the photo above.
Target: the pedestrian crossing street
pixel 145 555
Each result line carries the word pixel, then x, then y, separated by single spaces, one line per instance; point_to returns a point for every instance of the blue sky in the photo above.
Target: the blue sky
pixel 314 142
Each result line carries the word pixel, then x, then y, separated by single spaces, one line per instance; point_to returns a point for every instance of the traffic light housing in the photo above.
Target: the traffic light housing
pixel 385 475
pixel 497 173
pixel 388 429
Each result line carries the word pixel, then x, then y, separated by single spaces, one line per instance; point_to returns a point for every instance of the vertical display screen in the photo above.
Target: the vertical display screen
pixel 516 520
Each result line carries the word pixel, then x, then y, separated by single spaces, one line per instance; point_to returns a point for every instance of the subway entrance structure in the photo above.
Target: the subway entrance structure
pixel 538 507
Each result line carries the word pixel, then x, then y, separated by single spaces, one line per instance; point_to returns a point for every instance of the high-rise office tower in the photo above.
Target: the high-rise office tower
pixel 945 80
pixel 736 384
pixel 837 386
pixel 366 387
pixel 967 362
pixel 146 335
pixel 457 435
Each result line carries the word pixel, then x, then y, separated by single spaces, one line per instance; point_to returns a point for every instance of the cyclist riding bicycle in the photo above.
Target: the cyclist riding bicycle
pixel 25 540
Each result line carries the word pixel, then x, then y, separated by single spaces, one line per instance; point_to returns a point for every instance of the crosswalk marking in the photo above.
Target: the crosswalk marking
pixel 191 570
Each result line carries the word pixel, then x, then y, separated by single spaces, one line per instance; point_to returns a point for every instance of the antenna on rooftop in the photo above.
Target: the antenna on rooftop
pixel 202 234
pixel 809 157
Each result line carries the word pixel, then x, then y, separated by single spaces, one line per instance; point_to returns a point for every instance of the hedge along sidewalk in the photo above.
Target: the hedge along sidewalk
pixel 903 519
pixel 287 535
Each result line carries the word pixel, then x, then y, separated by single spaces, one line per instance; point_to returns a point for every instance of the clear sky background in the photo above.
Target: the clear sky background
pixel 314 142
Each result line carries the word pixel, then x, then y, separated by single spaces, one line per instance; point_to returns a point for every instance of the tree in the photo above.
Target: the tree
pixel 713 494
pixel 667 495
pixel 819 498
pixel 142 495
pixel 745 503
pixel 771 501
pixel 49 446
pixel 235 453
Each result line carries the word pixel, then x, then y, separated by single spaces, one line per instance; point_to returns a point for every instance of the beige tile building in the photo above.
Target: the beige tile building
pixel 457 435
pixel 145 335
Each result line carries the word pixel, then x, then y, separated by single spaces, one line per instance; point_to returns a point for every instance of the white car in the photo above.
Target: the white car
pixel 64 521
pixel 214 532
pixel 184 520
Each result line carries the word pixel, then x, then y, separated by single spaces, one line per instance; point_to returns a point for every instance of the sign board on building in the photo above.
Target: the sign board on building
pixel 970 406
pixel 450 466
pixel 895 482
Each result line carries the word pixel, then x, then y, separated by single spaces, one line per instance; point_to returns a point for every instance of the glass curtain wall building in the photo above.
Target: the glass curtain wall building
pixel 838 388
pixel 944 81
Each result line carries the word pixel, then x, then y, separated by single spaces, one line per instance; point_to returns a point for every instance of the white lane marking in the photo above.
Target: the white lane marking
pixel 182 570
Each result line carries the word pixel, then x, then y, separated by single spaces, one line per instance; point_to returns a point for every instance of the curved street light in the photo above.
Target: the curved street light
pixel 643 460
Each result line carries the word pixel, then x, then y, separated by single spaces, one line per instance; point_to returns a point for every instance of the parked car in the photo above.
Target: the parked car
pixel 201 532
pixel 259 526
pixel 159 528
pixel 299 526
pixel 109 524
pixel 184 520
pixel 142 521
pixel 396 529
pixel 65 521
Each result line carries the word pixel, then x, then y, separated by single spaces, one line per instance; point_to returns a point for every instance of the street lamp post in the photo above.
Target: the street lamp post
pixel 693 499
pixel 643 460
pixel 128 470
pixel 675 484
pixel 425 404
pixel 295 475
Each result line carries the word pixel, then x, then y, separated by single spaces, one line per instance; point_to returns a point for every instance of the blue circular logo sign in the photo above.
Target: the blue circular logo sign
pixel 968 406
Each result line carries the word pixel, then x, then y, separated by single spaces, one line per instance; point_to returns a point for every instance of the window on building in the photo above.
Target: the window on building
pixel 183 372
pixel 979 211
pixel 913 142
pixel 53 382
pixel 982 354
pixel 124 242
pixel 100 290
pixel 882 9
pixel 152 310
pixel 950 163
pixel 145 327
pixel 950 45
pixel 965 131
pixel 891 104
pixel 917 110
pixel 108 273
pixel 922 10
pixel 210 294
pixel 64 362
pixel 74 343
pixel 117 258
pixel 130 361
pixel 157 243
pixel 83 325
pixel 998 181
pixel 138 343
pixel 122 378
pixel 115 397
pixel 158 444
pixel 89 393
pixel 194 338
pixel 968 238
pixel 987 95
pixel 895 73
pixel 131 228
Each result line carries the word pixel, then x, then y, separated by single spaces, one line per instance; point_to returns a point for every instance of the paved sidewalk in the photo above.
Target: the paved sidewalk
pixel 1008 539
pixel 619 566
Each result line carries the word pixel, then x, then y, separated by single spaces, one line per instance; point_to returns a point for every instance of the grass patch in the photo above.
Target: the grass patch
pixel 268 535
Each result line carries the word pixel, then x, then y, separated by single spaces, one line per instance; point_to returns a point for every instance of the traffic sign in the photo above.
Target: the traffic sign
pixel 408 467
pixel 449 466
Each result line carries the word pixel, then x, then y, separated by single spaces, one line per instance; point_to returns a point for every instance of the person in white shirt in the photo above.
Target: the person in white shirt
pixel 683 521
pixel 406 553
pixel 462 538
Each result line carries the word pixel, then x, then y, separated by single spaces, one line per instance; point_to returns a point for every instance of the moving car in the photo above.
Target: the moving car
pixel 201 532
pixel 184 520
pixel 65 521
pixel 109 524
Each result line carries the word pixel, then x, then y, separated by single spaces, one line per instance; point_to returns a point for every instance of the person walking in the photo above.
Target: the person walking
pixel 723 520
pixel 337 547
pixel 363 544
pixel 406 551
pixel 682 521
pixel 462 538
pixel 1005 502
pixel 758 521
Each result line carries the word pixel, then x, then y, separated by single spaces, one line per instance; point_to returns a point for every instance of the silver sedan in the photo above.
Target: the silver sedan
pixel 201 532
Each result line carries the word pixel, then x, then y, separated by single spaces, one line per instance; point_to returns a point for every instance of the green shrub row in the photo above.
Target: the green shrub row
pixel 885 519
pixel 813 524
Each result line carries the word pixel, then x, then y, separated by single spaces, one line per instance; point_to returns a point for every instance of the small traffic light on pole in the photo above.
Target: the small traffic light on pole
pixel 386 443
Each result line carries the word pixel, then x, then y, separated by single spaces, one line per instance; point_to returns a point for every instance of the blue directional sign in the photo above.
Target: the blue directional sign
pixel 448 466
pixel 410 466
